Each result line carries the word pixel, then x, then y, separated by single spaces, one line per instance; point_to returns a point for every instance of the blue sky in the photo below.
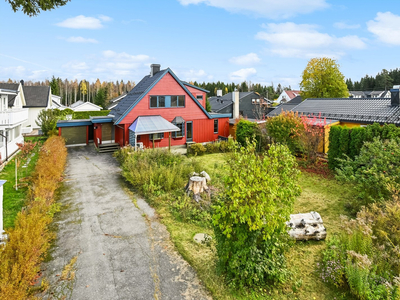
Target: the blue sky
pixel 261 41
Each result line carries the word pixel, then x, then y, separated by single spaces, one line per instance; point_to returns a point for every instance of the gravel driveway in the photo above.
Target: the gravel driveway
pixel 109 245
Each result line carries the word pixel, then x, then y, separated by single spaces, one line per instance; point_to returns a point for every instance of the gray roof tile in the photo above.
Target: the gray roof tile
pixel 36 96
pixel 135 94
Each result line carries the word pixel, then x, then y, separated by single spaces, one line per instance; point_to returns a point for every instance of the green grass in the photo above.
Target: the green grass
pixel 14 200
pixel 326 196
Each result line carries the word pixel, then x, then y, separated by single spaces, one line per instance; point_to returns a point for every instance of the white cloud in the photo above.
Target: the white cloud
pixel 82 22
pixel 242 74
pixel 76 66
pixel 344 25
pixel 304 40
pixel 386 27
pixel 79 39
pixel 193 75
pixel 248 59
pixel 273 9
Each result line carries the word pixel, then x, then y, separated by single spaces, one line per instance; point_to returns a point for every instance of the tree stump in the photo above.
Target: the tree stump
pixel 197 185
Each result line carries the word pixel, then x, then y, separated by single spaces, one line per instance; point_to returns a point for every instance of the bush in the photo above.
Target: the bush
pixel 245 130
pixel 30 239
pixel 249 219
pixel 47 120
pixel 87 114
pixel 286 129
pixel 377 167
pixel 197 149
pixel 364 256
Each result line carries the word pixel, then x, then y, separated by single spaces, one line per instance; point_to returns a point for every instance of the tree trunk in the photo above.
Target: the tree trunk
pixel 197 185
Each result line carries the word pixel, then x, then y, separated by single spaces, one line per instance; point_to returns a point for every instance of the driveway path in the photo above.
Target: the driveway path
pixel 121 250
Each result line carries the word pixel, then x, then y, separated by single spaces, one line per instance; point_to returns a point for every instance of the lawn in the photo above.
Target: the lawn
pixel 324 195
pixel 14 200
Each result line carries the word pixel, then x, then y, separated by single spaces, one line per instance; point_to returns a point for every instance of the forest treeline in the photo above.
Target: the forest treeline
pixel 381 82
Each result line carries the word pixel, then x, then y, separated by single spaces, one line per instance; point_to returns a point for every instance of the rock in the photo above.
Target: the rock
pixel 202 238
pixel 308 226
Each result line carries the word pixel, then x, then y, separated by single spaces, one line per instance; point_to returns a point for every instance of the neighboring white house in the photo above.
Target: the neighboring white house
pixel 37 98
pixel 56 102
pixel 85 106
pixel 286 96
pixel 12 117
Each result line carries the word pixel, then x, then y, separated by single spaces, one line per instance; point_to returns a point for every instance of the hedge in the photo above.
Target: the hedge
pixel 348 141
pixel 87 114
pixel 30 238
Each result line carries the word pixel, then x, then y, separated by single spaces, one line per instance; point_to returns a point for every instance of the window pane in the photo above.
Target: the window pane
pixel 181 101
pixel 161 101
pixel 179 133
pixel 174 101
pixel 200 97
pixel 153 101
pixel 215 126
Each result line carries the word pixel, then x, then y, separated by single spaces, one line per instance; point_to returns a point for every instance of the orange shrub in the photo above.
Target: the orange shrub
pixel 30 239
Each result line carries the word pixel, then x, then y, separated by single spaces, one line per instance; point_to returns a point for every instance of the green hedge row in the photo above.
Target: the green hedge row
pixel 348 141
pixel 87 114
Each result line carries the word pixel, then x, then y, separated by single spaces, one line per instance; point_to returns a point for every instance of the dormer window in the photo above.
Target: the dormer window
pixel 199 97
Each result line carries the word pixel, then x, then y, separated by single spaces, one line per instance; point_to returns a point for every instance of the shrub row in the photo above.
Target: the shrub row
pixel 348 141
pixel 216 147
pixel 30 238
pixel 78 115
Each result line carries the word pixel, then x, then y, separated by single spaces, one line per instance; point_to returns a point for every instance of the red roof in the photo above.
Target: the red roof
pixel 292 94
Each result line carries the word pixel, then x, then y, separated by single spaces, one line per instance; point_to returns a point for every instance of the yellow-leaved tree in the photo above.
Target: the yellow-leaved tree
pixel 323 79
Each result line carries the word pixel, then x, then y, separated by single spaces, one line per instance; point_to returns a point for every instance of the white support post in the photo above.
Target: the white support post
pixel 2 236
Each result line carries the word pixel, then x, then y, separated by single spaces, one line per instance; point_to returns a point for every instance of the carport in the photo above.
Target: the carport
pixel 151 125
pixel 75 132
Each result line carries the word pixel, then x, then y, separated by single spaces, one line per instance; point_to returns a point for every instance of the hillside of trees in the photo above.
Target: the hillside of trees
pixel 381 82
pixel 96 92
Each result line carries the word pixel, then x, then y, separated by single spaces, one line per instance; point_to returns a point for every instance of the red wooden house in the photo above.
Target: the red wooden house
pixel 159 111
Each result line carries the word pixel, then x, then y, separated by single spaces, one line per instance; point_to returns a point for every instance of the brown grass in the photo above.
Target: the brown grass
pixel 30 238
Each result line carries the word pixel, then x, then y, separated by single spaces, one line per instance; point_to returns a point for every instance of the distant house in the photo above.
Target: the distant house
pixel 160 111
pixel 285 106
pixel 286 96
pixel 114 102
pixel 56 102
pixel 352 112
pixel 251 104
pixel 12 118
pixel 37 98
pixel 84 106
pixel 369 94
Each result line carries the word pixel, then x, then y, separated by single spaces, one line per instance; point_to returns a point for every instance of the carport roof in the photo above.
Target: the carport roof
pixel 152 124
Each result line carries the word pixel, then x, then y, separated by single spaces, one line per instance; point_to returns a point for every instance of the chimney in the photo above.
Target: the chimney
pixel 154 68
pixel 395 95
pixel 219 93
pixel 22 82
pixel 235 113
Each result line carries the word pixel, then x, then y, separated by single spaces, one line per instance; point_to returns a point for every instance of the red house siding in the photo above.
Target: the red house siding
pixel 203 127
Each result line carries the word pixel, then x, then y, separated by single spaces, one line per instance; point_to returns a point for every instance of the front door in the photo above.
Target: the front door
pixel 189 131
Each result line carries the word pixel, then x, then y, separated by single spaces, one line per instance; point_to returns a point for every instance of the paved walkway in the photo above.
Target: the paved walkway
pixel 122 251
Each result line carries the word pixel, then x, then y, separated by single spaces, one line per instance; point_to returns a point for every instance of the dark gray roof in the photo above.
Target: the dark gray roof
pixel 178 120
pixel 360 110
pixel 9 86
pixel 288 106
pixel 36 96
pixel 11 100
pixel 133 96
pixel 218 103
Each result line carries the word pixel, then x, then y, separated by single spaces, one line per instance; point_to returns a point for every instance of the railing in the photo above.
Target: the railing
pixel 11 117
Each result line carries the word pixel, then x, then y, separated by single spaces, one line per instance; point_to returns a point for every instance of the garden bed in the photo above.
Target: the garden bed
pixel 322 194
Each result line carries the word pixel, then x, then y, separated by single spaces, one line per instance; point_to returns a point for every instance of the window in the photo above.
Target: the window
pixel 215 125
pixel 167 101
pixel 156 136
pixel 199 97
pixel 253 101
pixel 179 134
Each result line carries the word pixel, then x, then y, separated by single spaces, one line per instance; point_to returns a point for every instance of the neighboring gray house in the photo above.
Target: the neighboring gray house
pixel 37 98
pixel 251 104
